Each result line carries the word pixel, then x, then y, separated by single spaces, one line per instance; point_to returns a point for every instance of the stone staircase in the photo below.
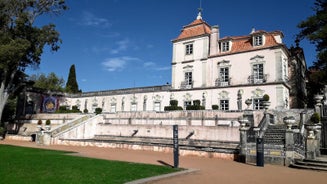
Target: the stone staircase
pixel 319 164
pixel 65 127
pixel 275 134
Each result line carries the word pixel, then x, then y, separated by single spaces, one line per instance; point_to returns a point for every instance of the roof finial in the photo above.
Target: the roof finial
pixel 200 11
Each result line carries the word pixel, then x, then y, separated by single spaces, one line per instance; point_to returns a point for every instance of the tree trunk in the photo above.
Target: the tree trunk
pixel 3 98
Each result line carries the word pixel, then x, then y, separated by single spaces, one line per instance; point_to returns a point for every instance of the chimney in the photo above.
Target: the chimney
pixel 214 40
pixel 253 30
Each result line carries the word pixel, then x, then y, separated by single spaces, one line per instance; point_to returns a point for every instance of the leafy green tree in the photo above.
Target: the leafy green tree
pixel 71 85
pixel 314 28
pixel 50 82
pixel 22 42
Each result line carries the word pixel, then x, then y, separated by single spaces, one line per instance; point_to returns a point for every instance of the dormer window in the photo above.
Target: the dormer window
pixel 225 46
pixel 257 40
pixel 189 49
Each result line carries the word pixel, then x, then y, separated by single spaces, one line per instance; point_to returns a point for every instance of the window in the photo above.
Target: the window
pixel 157 106
pixel 224 74
pixel 258 40
pixel 188 78
pixel 113 108
pixel 224 46
pixel 133 107
pixel 189 49
pixel 285 73
pixel 144 105
pixel 258 73
pixel 224 105
pixel 257 103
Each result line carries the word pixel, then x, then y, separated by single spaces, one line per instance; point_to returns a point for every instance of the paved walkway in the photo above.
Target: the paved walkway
pixel 210 170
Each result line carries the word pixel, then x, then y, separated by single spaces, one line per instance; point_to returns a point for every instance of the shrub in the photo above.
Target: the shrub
pixel 315 118
pixel 196 102
pixel 98 110
pixel 75 109
pixel 85 111
pixel 194 107
pixel 47 122
pixel 39 122
pixel 215 107
pixel 173 102
pixel 265 98
pixel 65 109
pixel 173 108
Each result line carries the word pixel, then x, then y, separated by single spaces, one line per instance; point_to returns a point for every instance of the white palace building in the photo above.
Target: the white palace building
pixel 216 71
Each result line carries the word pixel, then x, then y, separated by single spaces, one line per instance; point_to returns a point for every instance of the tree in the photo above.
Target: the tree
pixel 71 85
pixel 314 28
pixel 50 82
pixel 21 42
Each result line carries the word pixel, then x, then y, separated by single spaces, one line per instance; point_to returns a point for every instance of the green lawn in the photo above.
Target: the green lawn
pixel 29 165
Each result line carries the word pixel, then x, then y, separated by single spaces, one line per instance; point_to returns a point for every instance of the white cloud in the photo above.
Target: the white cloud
pixel 89 19
pixel 149 64
pixel 163 68
pixel 117 63
pixel 153 66
pixel 121 46
pixel 149 46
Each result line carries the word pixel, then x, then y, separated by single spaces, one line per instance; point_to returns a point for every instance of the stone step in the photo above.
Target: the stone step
pixel 311 163
pixel 298 166
pixel 321 160
pixel 318 164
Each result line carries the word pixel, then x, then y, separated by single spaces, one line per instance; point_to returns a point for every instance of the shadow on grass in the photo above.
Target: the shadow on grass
pixel 165 163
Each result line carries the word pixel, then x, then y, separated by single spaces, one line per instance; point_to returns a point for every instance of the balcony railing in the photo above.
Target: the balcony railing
pixel 221 82
pixel 253 79
pixel 186 85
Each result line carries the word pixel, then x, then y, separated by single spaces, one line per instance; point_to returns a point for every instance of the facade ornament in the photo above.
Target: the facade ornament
pixel 239 99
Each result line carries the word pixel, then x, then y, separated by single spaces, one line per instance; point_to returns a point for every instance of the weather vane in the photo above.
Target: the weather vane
pixel 200 11
pixel 200 8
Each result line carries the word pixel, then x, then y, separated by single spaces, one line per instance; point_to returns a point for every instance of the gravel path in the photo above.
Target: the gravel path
pixel 210 170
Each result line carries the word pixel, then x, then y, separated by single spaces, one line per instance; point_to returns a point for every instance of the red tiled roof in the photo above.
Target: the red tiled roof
pixel 197 28
pixel 244 43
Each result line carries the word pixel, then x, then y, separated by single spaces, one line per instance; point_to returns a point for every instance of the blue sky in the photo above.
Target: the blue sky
pixel 118 44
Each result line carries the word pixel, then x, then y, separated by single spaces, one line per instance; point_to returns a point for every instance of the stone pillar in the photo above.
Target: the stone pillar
pixel 317 132
pixel 318 105
pixel 302 121
pixel 289 146
pixel 46 138
pixel 310 152
pixel 39 137
pixel 248 114
pixel 310 144
pixel 43 138
pixel 243 139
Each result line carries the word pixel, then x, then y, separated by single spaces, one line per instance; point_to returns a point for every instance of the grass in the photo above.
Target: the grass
pixel 30 165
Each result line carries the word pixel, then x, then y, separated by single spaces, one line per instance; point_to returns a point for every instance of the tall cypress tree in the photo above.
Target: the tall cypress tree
pixel 71 85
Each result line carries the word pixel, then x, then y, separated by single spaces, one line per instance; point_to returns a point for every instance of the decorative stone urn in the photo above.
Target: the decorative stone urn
pixel 248 102
pixel 47 127
pixel 266 102
pixel 311 128
pixel 318 99
pixel 289 121
pixel 39 127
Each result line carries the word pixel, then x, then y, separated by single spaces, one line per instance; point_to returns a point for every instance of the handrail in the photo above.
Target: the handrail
pixel 68 125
